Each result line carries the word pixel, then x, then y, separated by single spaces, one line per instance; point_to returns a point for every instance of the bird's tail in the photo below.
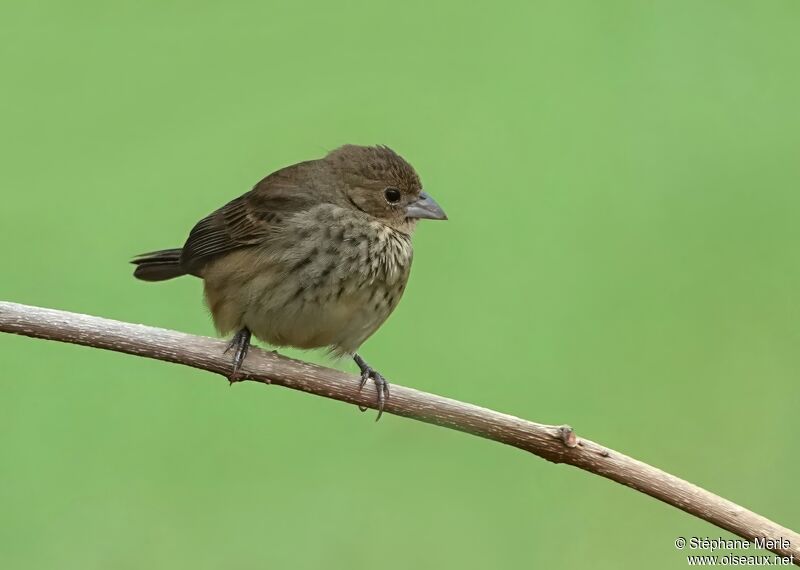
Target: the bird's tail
pixel 158 265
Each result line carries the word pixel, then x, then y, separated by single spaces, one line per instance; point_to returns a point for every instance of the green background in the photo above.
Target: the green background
pixel 622 254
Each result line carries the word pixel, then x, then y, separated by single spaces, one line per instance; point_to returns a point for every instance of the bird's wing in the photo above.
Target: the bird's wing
pixel 247 220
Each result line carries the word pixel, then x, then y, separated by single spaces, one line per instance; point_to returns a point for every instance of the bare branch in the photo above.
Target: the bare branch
pixel 558 444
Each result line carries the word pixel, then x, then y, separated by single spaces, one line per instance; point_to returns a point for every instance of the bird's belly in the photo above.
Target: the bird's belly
pixel 321 319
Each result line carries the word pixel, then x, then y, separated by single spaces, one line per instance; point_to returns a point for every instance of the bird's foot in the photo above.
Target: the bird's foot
pixel 240 343
pixel 381 385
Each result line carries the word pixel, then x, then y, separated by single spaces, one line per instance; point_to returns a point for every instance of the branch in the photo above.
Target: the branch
pixel 558 444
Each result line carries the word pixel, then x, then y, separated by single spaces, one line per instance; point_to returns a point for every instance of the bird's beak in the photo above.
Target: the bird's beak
pixel 425 207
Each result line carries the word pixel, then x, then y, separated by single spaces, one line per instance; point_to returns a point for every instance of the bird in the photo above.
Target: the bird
pixel 315 255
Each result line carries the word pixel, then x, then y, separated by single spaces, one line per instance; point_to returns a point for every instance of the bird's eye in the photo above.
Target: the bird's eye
pixel 392 195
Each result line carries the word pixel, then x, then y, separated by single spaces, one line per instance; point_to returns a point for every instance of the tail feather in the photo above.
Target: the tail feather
pixel 158 265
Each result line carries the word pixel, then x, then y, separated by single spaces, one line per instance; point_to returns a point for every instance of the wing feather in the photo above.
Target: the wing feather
pixel 249 219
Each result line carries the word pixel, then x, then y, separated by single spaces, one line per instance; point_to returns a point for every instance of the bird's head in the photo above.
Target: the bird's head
pixel 379 182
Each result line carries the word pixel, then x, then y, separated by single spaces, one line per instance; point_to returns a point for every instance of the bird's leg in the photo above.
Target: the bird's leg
pixel 381 385
pixel 239 344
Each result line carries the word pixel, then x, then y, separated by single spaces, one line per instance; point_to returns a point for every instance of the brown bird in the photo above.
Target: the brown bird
pixel 316 255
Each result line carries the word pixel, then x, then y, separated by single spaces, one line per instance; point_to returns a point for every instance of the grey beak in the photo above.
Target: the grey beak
pixel 425 207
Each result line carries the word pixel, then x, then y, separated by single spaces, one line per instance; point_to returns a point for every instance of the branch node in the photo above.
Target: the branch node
pixel 567 436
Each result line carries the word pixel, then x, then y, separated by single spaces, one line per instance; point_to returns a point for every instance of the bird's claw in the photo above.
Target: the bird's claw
pixel 381 384
pixel 240 343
